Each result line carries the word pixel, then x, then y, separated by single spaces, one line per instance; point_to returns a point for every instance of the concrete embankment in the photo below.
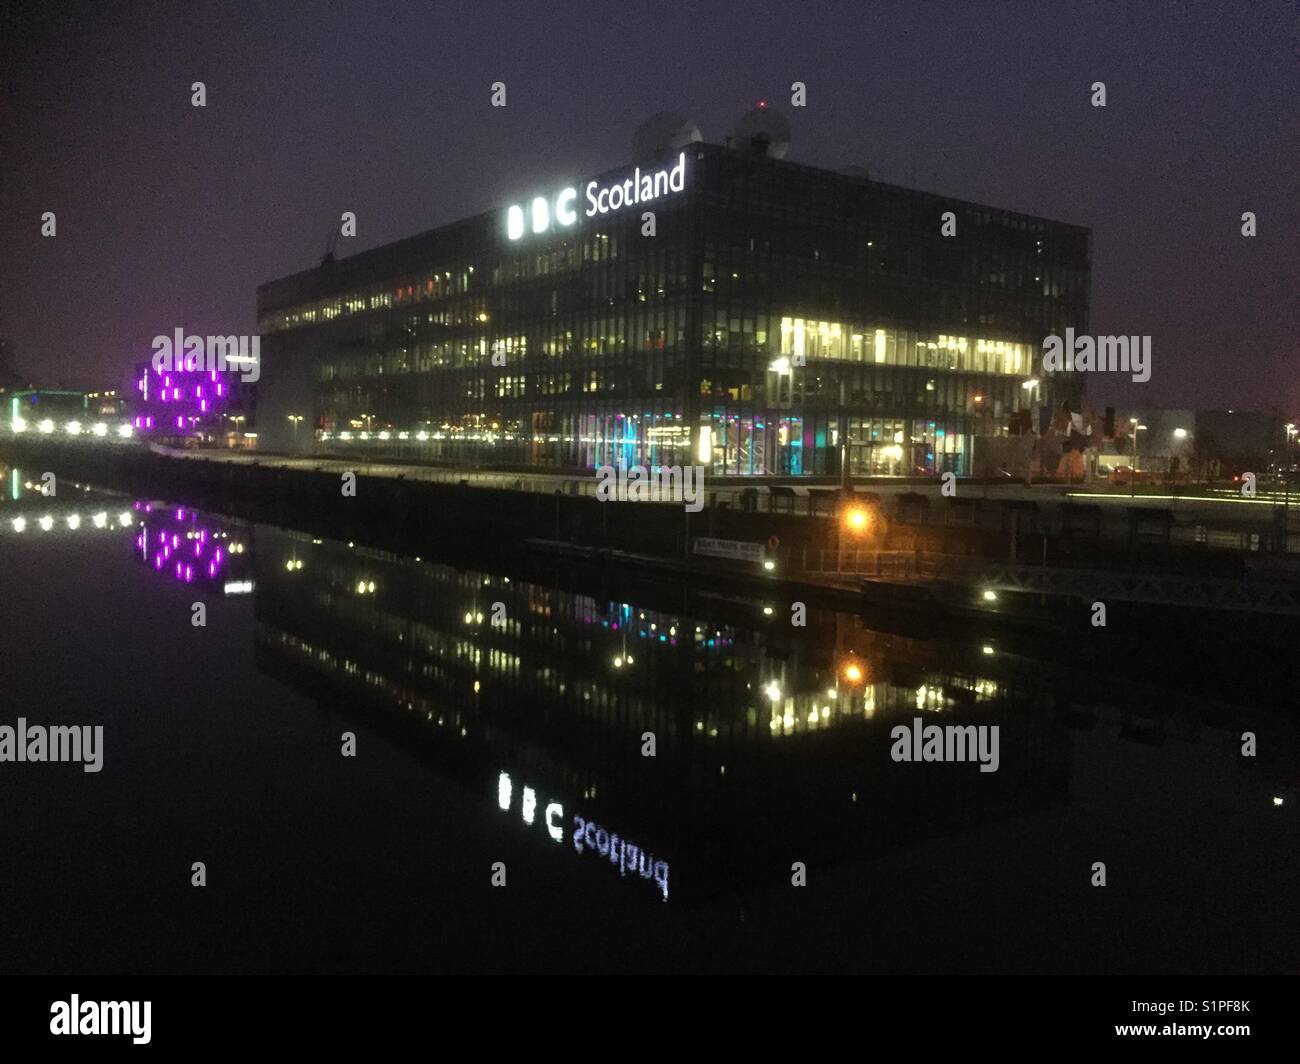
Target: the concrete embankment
pixel 422 517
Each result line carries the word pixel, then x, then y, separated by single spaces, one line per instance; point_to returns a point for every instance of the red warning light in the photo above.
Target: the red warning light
pixel 762 105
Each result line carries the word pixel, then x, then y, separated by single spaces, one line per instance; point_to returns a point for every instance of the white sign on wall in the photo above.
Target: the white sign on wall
pixel 543 213
pixel 736 549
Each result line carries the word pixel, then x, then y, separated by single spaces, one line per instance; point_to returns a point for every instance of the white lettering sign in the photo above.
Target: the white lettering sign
pixel 541 213
pixel 636 189
pixel 729 548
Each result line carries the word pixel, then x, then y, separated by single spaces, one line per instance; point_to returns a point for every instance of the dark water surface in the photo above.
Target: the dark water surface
pixel 521 743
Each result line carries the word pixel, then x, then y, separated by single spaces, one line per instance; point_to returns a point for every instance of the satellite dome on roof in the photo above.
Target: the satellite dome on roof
pixel 663 133
pixel 764 131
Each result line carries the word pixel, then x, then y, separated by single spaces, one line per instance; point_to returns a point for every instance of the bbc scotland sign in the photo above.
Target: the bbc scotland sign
pixel 542 213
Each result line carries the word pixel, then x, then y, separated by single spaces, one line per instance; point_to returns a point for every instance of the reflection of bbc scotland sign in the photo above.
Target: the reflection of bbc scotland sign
pixel 562 211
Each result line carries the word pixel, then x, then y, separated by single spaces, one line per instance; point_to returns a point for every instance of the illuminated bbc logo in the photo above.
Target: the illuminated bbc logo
pixel 541 214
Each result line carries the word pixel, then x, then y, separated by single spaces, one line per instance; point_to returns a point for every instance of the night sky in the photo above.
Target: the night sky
pixel 170 215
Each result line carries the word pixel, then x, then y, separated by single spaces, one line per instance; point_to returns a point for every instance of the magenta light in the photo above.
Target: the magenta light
pixel 218 556
pixel 220 390
pixel 180 515
pixel 157 562
pixel 203 405
pixel 214 376
pixel 189 574
pixel 176 540
pixel 180 422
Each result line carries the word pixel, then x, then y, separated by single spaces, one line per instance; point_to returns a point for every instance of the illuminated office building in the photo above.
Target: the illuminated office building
pixel 780 317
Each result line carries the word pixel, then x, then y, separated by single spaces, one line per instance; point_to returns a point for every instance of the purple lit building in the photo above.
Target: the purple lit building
pixel 199 407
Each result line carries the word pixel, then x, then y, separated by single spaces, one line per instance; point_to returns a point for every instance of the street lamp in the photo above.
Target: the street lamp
pixel 1032 403
pixel 294 419
pixel 1132 476
pixel 1286 486
pixel 783 367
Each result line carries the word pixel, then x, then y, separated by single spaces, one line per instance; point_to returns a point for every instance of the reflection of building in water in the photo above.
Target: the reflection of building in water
pixel 771 743
pixel 192 548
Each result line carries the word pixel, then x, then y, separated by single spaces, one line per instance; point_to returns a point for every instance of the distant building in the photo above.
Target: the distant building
pixel 197 407
pixel 107 405
pixel 47 409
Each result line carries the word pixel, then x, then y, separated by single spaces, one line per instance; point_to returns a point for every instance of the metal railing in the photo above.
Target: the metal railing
pixel 1271 592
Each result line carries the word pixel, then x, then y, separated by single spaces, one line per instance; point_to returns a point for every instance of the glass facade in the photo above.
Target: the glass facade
pixel 779 321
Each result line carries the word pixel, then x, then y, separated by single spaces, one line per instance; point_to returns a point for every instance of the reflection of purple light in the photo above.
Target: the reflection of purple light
pixel 182 566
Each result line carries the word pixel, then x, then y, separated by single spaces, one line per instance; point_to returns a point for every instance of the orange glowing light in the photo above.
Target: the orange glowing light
pixel 857 519
pixel 853 672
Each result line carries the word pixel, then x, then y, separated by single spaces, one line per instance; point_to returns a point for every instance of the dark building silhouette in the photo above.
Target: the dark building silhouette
pixel 780 316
